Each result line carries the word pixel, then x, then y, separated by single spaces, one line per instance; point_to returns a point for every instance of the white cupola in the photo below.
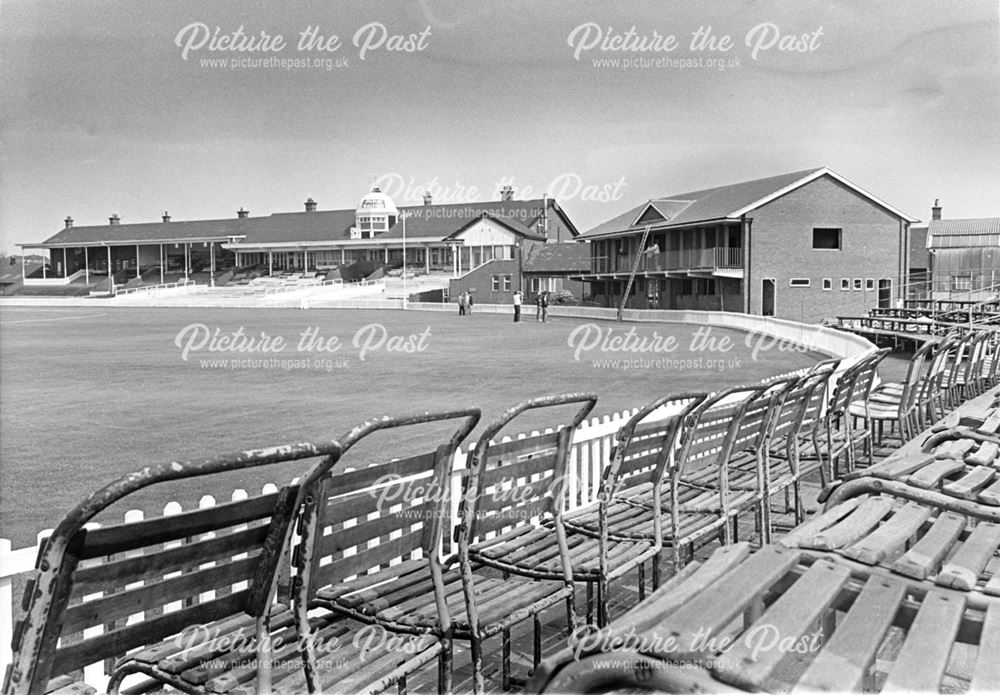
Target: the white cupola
pixel 375 214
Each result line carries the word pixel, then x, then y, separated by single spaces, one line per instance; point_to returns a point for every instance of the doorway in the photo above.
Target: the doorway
pixel 767 297
pixel 884 293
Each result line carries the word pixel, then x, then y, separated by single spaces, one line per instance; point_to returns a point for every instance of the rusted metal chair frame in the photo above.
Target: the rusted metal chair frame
pixel 699 441
pixel 550 505
pixel 797 415
pixel 642 453
pixel 309 556
pixel 836 435
pixel 902 410
pixel 72 543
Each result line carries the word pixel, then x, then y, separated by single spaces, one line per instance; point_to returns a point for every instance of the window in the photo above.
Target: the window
pixel 857 283
pixel 799 282
pixel 869 284
pixel 533 285
pixel 827 284
pixel 506 283
pixel 496 283
pixel 826 237
pixel 961 282
pixel 845 284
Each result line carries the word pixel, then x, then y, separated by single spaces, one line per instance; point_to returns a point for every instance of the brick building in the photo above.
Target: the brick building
pixel 806 245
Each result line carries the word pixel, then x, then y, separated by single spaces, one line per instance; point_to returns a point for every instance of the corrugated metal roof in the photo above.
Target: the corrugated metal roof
pixel 973 231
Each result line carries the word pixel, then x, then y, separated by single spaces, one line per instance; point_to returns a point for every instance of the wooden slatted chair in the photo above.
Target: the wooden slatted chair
pixel 864 375
pixel 796 416
pixel 370 543
pixel 963 368
pixel 830 437
pixel 511 507
pixel 186 599
pixel 930 398
pixel 739 470
pixel 611 537
pixel 973 380
pixel 902 411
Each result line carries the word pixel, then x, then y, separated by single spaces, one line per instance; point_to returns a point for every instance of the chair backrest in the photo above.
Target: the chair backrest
pixel 936 368
pixel 647 444
pixel 710 437
pixel 507 484
pixel 107 588
pixel 822 374
pixel 790 410
pixel 866 372
pixel 363 515
pixel 914 372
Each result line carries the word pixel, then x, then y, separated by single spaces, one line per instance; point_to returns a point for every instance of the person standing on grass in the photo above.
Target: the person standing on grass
pixel 538 307
pixel 543 303
pixel 469 303
pixel 517 306
pixel 461 304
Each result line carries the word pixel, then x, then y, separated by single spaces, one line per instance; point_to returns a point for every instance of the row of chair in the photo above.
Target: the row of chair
pixel 939 377
pixel 895 586
pixel 368 545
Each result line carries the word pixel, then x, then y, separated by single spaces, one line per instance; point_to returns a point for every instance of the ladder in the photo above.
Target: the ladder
pixel 635 268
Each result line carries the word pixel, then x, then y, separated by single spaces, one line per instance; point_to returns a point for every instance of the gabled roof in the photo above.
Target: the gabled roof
pixel 424 221
pixel 728 202
pixel 550 258
pixel 970 232
pixel 507 222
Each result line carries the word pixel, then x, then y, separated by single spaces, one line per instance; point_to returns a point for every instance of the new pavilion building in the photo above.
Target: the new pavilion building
pixel 805 245
pixel 448 239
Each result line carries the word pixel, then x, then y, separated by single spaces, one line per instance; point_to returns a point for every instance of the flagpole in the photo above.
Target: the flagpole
pixel 403 215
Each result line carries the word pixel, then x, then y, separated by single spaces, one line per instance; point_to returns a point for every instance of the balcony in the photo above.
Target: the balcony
pixel 721 261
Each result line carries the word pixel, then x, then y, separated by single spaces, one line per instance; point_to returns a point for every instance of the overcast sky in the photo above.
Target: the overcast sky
pixel 101 113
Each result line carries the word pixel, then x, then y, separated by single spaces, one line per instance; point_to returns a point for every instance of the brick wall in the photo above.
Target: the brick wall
pixel 481 281
pixel 781 248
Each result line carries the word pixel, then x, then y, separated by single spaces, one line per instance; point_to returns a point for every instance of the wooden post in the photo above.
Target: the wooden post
pixel 65 264
pixel 137 273
pixel 86 264
pixel 163 262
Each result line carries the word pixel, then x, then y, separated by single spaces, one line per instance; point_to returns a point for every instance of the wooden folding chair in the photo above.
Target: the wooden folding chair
pixel 187 599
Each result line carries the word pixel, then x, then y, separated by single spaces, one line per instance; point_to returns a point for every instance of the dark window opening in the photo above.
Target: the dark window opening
pixel 826 238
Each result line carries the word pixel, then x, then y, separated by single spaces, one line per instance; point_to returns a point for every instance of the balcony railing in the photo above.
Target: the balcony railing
pixel 681 260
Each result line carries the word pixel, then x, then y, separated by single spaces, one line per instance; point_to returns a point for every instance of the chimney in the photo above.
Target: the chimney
pixel 242 214
pixel 936 210
pixel 166 216
pixel 69 222
pixel 506 194
pixel 310 205
pixel 114 219
pixel 428 199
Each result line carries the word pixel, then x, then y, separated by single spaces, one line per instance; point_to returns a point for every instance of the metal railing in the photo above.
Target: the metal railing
pixel 678 260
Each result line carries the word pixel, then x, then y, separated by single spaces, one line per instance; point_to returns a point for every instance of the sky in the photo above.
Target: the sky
pixel 137 108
